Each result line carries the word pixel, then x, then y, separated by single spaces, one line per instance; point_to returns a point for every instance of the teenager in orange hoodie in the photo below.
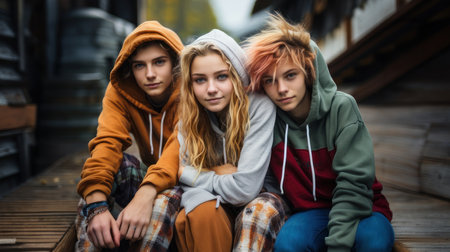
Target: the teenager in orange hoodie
pixel 141 99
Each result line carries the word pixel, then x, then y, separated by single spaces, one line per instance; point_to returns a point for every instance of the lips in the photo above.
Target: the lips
pixel 285 100
pixel 214 100
pixel 152 85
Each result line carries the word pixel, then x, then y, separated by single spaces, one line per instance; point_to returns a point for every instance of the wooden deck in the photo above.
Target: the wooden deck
pixel 39 215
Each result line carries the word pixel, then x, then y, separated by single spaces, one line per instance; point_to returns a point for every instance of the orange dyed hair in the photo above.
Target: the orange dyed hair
pixel 278 41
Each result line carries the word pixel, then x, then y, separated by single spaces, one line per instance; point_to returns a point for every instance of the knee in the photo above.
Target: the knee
pixel 267 206
pixel 170 199
pixel 292 242
pixel 374 234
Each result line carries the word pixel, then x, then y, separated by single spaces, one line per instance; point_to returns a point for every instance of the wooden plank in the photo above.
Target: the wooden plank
pixel 435 178
pixel 420 222
pixel 437 146
pixel 68 241
pixel 414 115
pixel 17 117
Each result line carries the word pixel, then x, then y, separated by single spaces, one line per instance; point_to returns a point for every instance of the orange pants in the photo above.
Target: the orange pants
pixel 206 228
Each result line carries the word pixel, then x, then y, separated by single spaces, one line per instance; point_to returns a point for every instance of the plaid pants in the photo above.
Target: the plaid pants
pixel 126 184
pixel 258 224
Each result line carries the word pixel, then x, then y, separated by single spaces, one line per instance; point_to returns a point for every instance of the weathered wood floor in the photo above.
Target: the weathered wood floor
pixel 39 215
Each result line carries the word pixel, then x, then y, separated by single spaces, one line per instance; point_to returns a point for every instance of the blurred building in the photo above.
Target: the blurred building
pixel 55 58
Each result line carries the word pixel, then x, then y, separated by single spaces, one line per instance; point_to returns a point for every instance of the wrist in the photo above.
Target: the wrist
pixel 95 196
pixel 147 190
pixel 90 208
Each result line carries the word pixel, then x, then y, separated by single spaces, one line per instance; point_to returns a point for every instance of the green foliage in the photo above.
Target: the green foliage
pixel 188 18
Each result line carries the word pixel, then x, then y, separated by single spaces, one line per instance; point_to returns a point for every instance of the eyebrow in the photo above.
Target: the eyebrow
pixel 157 58
pixel 215 73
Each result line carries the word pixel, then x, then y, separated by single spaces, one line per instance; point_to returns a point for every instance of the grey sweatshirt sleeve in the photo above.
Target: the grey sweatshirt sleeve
pixel 244 185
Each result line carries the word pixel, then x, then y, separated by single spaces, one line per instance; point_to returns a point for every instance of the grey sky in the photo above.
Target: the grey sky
pixel 232 14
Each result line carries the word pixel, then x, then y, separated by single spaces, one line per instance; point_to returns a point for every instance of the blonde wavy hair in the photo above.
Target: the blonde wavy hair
pixel 200 139
pixel 280 40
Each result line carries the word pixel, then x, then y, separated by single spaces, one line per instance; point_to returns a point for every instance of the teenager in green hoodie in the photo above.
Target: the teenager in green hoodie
pixel 322 155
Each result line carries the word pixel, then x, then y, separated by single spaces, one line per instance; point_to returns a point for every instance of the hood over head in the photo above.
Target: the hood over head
pixel 145 32
pixel 323 91
pixel 230 48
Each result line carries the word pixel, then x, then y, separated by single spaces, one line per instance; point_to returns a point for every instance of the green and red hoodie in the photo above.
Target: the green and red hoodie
pixel 328 160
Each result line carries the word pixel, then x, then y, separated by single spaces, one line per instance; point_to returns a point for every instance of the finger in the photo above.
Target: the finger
pixel 99 236
pixel 137 233
pixel 123 227
pixel 107 239
pixel 115 234
pixel 130 232
pixel 119 219
pixel 92 238
pixel 143 232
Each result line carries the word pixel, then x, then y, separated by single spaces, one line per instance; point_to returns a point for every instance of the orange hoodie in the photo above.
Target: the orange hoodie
pixel 126 110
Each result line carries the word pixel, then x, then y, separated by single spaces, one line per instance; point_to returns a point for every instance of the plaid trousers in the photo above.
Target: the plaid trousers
pixel 257 225
pixel 126 183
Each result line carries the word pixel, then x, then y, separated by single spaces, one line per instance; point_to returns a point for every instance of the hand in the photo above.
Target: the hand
pixel 134 219
pixel 224 169
pixel 103 231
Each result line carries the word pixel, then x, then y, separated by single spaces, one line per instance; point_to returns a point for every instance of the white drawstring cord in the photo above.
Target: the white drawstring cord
pixel 151 133
pixel 218 201
pixel 312 163
pixel 224 151
pixel 162 134
pixel 284 158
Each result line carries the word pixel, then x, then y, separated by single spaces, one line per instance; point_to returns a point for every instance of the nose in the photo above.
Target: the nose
pixel 281 87
pixel 150 72
pixel 212 89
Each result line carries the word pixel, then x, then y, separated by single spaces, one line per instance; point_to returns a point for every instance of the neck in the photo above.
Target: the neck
pixel 222 118
pixel 160 100
pixel 301 112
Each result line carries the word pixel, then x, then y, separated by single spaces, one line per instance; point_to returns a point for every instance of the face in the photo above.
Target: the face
pixel 211 82
pixel 152 70
pixel 287 89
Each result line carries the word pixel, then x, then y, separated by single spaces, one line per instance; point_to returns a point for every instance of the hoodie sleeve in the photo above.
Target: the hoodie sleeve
pixel 354 165
pixel 163 174
pixel 107 147
pixel 242 186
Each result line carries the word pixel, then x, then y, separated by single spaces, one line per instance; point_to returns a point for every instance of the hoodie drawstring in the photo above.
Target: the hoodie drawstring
pixel 218 201
pixel 310 158
pixel 151 133
pixel 224 151
pixel 161 135
pixel 284 158
pixel 313 173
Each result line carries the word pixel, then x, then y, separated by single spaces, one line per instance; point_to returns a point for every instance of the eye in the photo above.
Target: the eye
pixel 291 76
pixel 222 77
pixel 199 80
pixel 160 62
pixel 267 81
pixel 138 66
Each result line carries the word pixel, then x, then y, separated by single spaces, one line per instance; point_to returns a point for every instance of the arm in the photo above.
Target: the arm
pixel 135 217
pixel 99 170
pixel 107 147
pixel 354 165
pixel 242 186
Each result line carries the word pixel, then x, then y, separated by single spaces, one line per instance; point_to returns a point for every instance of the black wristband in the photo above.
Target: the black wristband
pixel 88 207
